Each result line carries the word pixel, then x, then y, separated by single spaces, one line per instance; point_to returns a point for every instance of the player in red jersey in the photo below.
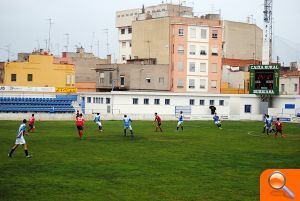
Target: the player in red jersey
pixel 278 126
pixel 80 124
pixel 31 124
pixel 157 120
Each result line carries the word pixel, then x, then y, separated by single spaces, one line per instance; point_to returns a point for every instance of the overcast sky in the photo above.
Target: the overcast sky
pixel 24 24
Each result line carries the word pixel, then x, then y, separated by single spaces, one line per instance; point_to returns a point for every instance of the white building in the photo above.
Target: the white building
pixel 142 105
pixel 125 18
pixel 289 83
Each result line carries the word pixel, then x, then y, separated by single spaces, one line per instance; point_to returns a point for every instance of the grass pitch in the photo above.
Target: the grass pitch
pixel 202 163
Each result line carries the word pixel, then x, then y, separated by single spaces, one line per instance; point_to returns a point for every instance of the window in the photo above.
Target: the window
pixel 193 32
pixel 221 102
pixel 146 101
pixel 295 87
pixel 202 102
pixel 203 51
pixel 167 101
pixel 156 101
pixel 135 101
pixel 180 66
pixel 161 80
pixel 89 99
pixel 214 51
pixel 129 30
pixel 29 77
pixel 68 81
pixel 110 77
pixel 180 49
pixel 202 83
pixel 107 100
pixel 97 100
pixel 101 75
pixel 203 67
pixel 213 84
pixel 73 80
pixel 123 58
pixel 211 102
pixel 192 101
pixel 247 108
pixel 130 44
pixel 122 81
pixel 192 50
pixel 123 44
pixel 214 68
pixel 192 67
pixel 282 87
pixel 179 83
pixel 214 34
pixel 122 31
pixel 180 32
pixel 192 84
pixel 148 80
pixel 203 33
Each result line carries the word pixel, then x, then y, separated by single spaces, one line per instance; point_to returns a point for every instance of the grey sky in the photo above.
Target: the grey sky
pixel 23 23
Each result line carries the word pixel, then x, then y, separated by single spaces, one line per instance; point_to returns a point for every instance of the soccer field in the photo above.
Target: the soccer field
pixel 202 163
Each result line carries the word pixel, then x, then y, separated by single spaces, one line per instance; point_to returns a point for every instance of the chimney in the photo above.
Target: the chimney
pixel 108 59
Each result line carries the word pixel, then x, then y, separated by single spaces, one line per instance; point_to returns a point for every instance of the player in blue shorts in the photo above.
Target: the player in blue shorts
pixel 127 125
pixel 97 120
pixel 180 121
pixel 217 121
pixel 20 140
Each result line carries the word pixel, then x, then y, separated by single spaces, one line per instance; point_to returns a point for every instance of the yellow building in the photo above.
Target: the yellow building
pixel 39 71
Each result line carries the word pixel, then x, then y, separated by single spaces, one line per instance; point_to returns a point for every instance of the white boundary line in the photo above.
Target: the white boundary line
pixel 251 134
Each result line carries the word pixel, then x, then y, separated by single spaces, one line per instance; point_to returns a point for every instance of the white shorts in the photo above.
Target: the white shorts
pixel 217 122
pixel 179 123
pixel 20 141
pixel 99 123
pixel 128 127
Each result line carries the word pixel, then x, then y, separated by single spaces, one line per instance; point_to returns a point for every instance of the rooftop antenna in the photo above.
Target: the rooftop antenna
pixel 46 43
pixel 107 44
pixel 67 41
pixel 49 34
pixel 93 36
pixel 98 48
pixel 8 51
pixel 38 44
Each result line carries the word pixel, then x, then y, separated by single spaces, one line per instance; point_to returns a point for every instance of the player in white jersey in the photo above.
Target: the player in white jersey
pixel 127 125
pixel 180 121
pixel 20 140
pixel 97 120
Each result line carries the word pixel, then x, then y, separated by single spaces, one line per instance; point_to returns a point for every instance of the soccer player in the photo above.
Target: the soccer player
pixel 31 124
pixel 77 114
pixel 97 120
pixel 269 121
pixel 20 140
pixel 180 121
pixel 157 120
pixel 80 123
pixel 127 125
pixel 217 121
pixel 265 125
pixel 278 126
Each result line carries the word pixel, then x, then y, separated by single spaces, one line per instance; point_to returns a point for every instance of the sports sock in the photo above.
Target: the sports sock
pixel 177 128
pixel 181 127
pixel 12 151
pixel 26 152
pixel 124 132
pixel 80 134
pixel 131 131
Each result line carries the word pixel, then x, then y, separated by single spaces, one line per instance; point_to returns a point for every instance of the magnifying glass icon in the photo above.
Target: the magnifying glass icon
pixel 277 181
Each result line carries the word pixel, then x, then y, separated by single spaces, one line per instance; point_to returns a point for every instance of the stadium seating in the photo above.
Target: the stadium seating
pixel 60 104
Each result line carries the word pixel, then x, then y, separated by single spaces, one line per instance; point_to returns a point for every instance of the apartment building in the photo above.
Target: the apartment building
pixel 289 82
pixel 125 18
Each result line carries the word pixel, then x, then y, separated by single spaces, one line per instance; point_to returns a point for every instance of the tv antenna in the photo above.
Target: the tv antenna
pixel 49 34
pixel 107 43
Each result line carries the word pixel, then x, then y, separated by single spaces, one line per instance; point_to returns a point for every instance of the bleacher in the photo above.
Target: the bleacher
pixel 60 104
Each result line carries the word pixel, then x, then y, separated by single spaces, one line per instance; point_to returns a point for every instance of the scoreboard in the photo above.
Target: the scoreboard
pixel 264 79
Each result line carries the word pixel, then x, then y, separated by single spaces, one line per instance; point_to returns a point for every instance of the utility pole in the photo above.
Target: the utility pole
pixel 107 44
pixel 49 34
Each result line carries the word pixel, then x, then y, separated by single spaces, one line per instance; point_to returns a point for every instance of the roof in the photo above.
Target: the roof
pixel 293 73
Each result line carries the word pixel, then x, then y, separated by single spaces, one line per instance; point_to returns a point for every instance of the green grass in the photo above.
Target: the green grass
pixel 201 163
